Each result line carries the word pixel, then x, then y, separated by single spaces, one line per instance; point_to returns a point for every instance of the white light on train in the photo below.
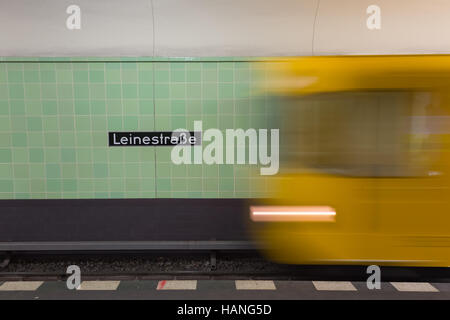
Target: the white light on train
pixel 293 213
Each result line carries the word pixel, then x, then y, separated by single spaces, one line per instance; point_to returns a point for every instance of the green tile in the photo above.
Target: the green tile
pixel 115 123
pixel 98 140
pixel 48 76
pixel 177 91
pixel 54 119
pixel 69 170
pixel 163 184
pixel 80 76
pixel 65 107
pixel 96 76
pixel 98 107
pixel 67 123
pixel 5 155
pixel 6 124
pixel 51 139
pixel 53 171
pixel 177 76
pixel 36 155
pixel 33 108
pixel 209 76
pixel 129 75
pixel 21 171
pixel 83 123
pixel 146 107
pixel 226 75
pixel 209 91
pixel 130 123
pixel 16 91
pixel 5 170
pixel 132 170
pixel 6 185
pixel 68 155
pixel 99 154
pixel 32 91
pixel 193 91
pixel 147 123
pixel 113 91
pixel 35 140
pixel 162 76
pixel 97 91
pixel 132 184
pixel 15 76
pixel 112 75
pixel 49 107
pixel 100 170
pixel 194 184
pixel 52 155
pixel 225 91
pixel 64 76
pixel 163 170
pixel 226 184
pixel 99 123
pixel 69 184
pixel 81 91
pixel 178 107
pixel 145 76
pixel 85 170
pixel 210 107
pixel 161 91
pixel 145 91
pixel 4 107
pixel 37 170
pixel 82 107
pixel 193 76
pixel 4 91
pixel 53 185
pixel 48 91
pixel 31 76
pixel 129 91
pixel 19 139
pixel 22 186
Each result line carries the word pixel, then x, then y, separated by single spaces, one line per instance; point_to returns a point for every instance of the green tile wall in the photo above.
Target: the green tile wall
pixel 55 115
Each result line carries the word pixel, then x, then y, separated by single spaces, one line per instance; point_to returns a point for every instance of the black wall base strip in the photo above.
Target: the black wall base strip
pixel 124 220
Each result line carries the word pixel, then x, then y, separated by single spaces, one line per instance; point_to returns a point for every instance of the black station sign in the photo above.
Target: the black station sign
pixel 154 139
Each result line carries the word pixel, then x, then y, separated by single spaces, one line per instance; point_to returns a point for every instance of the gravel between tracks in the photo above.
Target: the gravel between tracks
pixel 139 263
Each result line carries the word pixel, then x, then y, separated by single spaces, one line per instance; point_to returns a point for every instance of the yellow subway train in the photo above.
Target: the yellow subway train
pixel 365 162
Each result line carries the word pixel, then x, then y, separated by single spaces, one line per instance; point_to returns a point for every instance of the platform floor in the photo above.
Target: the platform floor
pixel 222 289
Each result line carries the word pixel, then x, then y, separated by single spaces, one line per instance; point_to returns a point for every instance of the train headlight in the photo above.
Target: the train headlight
pixel 293 213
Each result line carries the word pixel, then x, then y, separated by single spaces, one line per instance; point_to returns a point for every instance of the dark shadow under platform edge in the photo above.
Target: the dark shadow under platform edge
pixel 130 223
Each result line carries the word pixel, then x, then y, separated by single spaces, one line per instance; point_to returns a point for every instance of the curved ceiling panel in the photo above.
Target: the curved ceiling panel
pixel 208 28
pixel 108 28
pixel 394 27
pixel 233 28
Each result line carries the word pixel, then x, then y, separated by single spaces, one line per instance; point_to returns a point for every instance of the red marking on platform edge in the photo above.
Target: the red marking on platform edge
pixel 161 285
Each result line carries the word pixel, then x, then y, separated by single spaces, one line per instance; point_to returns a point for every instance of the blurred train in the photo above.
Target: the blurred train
pixel 365 148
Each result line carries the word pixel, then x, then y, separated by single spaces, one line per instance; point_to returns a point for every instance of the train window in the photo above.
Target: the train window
pixel 358 133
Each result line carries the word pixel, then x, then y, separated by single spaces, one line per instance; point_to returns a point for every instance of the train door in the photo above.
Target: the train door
pixel 413 211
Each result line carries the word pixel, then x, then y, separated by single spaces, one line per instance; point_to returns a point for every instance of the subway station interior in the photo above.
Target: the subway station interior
pixel 232 158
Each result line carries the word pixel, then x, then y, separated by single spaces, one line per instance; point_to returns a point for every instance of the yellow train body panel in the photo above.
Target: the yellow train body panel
pixel 372 141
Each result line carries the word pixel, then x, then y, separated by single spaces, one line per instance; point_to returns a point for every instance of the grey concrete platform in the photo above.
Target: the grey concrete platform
pixel 222 290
